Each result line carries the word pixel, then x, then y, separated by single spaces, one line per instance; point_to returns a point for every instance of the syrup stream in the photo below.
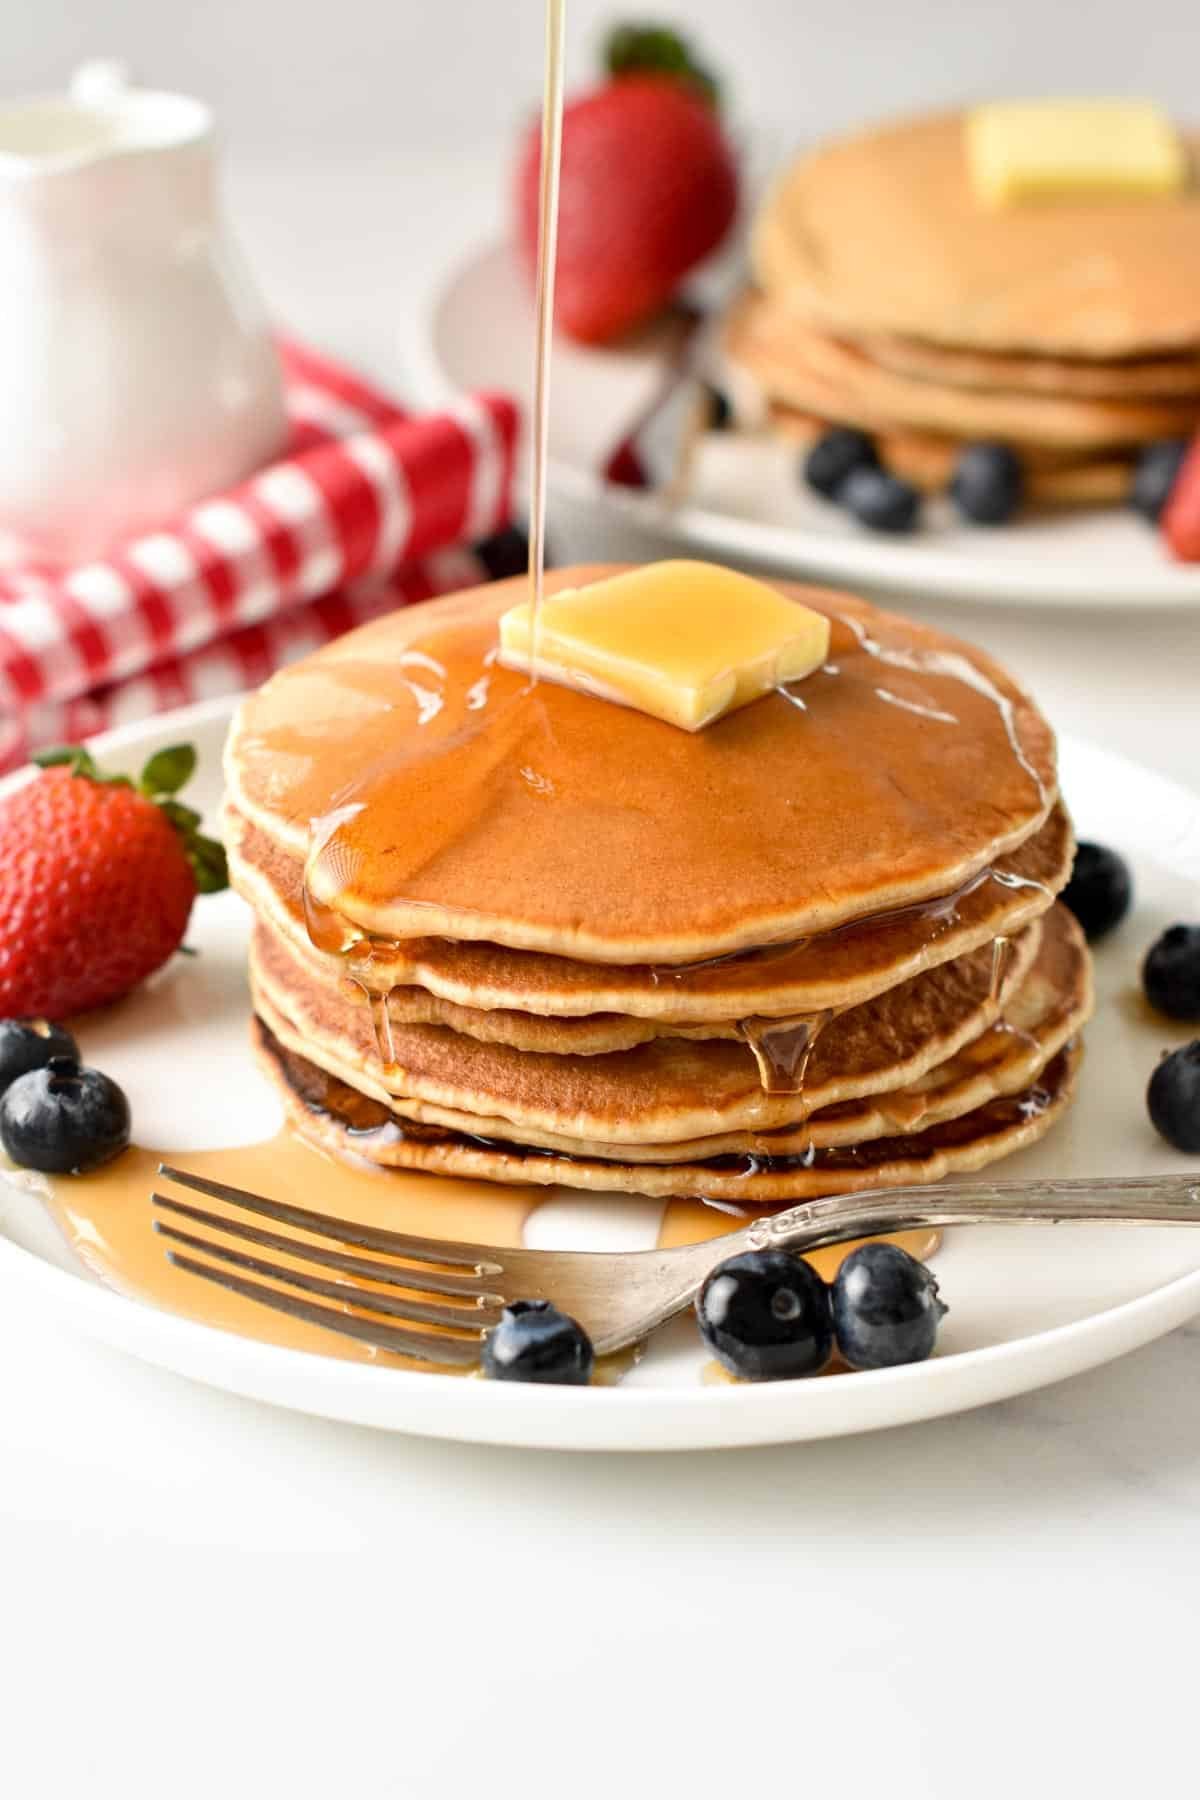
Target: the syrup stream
pixel 552 111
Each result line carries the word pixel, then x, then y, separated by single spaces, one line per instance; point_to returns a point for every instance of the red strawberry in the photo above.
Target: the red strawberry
pixel 1181 514
pixel 649 188
pixel 97 880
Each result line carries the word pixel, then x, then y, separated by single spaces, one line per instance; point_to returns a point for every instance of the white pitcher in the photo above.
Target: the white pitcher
pixel 137 372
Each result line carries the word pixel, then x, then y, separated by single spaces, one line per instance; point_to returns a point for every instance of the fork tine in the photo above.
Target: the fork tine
pixel 423 1346
pixel 416 1312
pixel 480 1257
pixel 417 1280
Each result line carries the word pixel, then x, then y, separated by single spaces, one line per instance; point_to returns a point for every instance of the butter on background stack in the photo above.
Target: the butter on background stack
pixel 1022 150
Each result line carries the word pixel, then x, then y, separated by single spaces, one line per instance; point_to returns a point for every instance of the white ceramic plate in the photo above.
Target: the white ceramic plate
pixel 746 503
pixel 1027 1306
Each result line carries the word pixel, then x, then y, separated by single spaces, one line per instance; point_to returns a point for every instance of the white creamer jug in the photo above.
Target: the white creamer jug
pixel 137 372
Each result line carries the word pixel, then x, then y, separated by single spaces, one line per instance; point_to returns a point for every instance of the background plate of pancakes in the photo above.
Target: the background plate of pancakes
pixel 1027 1306
pixel 877 292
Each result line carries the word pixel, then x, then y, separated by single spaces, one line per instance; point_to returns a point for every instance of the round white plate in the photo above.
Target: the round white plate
pixel 746 502
pixel 1027 1306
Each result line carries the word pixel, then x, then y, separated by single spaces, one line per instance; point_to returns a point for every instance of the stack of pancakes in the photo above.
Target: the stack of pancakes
pixel 889 297
pixel 526 934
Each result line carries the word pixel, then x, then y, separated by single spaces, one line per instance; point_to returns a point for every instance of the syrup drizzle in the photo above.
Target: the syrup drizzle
pixel 954 667
pixel 782 1049
pixel 552 111
pixel 941 913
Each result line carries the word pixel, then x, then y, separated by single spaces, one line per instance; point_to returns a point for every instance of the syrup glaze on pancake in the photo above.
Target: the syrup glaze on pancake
pixel 1044 1006
pixel 838 969
pixel 659 1092
pixel 882 232
pixel 340 1120
pixel 441 796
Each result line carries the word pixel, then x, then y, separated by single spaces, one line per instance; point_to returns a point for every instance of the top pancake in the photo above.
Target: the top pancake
pixel 447 799
pixel 882 232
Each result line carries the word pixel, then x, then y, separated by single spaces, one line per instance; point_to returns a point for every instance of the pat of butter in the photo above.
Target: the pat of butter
pixel 682 641
pixel 1056 149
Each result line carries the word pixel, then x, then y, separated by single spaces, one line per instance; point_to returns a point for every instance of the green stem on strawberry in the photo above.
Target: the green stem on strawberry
pixel 658 50
pixel 167 771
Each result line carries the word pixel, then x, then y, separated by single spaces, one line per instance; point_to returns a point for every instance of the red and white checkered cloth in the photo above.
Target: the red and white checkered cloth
pixel 369 509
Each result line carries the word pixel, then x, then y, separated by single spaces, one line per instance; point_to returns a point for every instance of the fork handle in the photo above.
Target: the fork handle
pixel 1137 1200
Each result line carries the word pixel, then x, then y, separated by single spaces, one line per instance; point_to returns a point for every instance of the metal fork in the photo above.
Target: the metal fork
pixel 618 1298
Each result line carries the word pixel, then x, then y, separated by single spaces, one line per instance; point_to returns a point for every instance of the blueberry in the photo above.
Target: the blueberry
pixel 879 500
pixel 536 1342
pixel 988 483
pixel 29 1044
pixel 63 1119
pixel 1154 476
pixel 886 1309
pixel 1100 890
pixel 834 456
pixel 505 553
pixel 765 1314
pixel 719 408
pixel 1171 973
pixel 1173 1098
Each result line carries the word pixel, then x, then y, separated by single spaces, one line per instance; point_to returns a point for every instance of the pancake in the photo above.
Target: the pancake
pixel 443 800
pixel 294 969
pixel 927 459
pixel 339 1120
pixel 1136 378
pixel 509 930
pixel 838 969
pixel 799 364
pixel 659 1092
pixel 1045 1004
pixel 882 233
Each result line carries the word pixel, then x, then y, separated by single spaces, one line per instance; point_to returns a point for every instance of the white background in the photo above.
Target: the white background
pixel 331 75
pixel 200 1596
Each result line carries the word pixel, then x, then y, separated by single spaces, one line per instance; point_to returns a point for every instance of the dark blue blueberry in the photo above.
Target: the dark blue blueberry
pixel 880 501
pixel 27 1044
pixel 988 483
pixel 1100 890
pixel 536 1342
pixel 1173 1098
pixel 765 1315
pixel 63 1119
pixel 720 408
pixel 505 553
pixel 1171 973
pixel 886 1309
pixel 1154 476
pixel 834 456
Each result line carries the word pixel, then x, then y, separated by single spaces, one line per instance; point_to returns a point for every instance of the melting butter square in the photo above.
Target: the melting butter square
pixel 1057 149
pixel 682 641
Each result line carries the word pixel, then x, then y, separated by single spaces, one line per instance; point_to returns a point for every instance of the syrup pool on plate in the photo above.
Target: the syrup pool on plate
pixel 108 1221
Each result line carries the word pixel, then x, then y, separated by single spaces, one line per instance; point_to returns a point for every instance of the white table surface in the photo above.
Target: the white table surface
pixel 199 1595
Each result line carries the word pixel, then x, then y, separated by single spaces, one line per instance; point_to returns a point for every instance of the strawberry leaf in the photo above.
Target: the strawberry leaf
pixel 207 858
pixel 168 770
pixel 657 50
pixel 185 819
pixel 70 756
